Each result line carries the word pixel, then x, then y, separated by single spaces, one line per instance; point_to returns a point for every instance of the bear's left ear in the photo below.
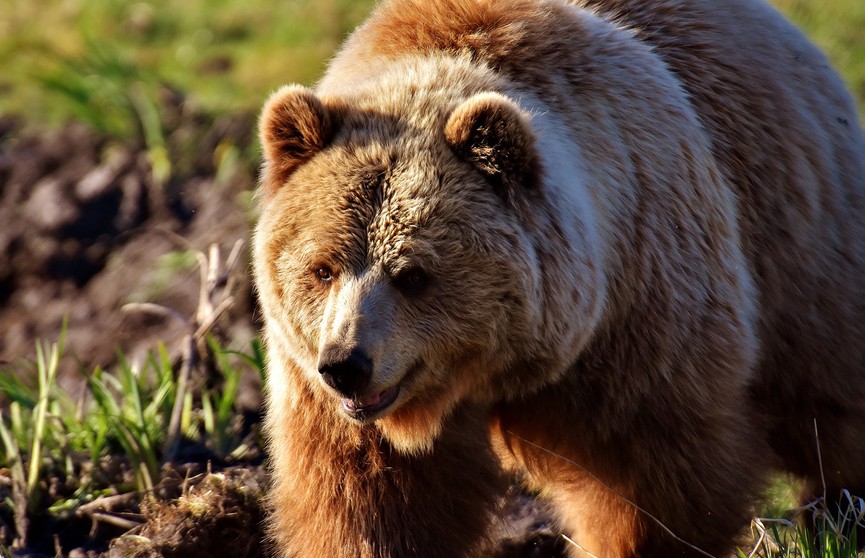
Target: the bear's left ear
pixel 493 133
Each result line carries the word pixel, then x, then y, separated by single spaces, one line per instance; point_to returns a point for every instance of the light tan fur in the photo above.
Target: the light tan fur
pixel 614 246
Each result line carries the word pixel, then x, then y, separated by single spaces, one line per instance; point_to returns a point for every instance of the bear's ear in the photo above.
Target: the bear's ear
pixel 294 126
pixel 493 133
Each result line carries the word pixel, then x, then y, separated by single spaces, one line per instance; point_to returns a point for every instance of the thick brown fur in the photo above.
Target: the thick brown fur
pixel 615 246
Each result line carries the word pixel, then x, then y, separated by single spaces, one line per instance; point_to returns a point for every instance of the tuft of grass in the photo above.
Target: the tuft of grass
pixel 28 430
pixel 135 407
pixel 138 416
pixel 123 414
pixel 834 533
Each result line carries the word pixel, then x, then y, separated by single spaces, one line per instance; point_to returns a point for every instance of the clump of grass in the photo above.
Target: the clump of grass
pixel 114 96
pixel 833 534
pixel 131 418
pixel 135 406
pixel 28 428
pixel 125 413
pixel 44 433
pixel 215 512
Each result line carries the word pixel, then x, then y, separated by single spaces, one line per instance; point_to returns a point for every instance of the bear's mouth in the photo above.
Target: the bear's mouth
pixel 365 408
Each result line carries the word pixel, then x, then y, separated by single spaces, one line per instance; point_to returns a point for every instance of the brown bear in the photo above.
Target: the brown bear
pixel 616 247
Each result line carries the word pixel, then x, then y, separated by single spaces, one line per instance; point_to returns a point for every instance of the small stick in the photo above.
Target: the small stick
pixel 105 503
pixel 116 520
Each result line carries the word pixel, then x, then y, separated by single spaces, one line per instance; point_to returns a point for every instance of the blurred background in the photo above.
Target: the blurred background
pixel 221 54
pixel 128 163
pixel 70 58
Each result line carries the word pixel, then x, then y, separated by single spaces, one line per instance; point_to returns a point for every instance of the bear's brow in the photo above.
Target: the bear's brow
pixel 363 196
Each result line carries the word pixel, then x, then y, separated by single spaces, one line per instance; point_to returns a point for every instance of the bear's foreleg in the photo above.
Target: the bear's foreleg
pixel 675 482
pixel 656 497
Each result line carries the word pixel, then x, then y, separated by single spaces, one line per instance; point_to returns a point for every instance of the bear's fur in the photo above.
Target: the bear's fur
pixel 614 246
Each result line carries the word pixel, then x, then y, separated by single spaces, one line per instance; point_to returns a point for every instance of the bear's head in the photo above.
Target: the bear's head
pixel 392 258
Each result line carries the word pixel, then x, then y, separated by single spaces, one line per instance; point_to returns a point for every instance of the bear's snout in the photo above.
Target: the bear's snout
pixel 349 374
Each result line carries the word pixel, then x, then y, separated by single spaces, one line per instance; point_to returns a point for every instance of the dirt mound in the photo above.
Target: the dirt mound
pixel 215 515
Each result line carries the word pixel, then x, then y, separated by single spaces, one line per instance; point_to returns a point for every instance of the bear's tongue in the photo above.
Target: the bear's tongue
pixel 370 402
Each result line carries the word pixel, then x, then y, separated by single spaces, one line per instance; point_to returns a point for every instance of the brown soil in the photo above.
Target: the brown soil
pixel 86 230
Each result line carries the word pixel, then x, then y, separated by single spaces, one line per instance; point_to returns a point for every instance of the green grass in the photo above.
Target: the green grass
pixel 779 532
pixel 44 434
pixel 27 435
pixel 220 54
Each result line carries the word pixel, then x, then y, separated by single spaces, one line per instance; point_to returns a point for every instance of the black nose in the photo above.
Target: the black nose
pixel 350 374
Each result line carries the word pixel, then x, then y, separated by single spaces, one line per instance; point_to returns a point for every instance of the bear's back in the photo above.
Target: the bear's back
pixel 784 131
pixel 787 137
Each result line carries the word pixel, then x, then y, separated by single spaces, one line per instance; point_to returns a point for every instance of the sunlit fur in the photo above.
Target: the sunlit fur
pixel 643 228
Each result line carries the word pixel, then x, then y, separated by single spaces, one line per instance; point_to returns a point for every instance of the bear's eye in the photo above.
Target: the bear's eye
pixel 324 274
pixel 411 281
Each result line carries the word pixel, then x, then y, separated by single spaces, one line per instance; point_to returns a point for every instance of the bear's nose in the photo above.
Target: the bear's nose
pixel 348 375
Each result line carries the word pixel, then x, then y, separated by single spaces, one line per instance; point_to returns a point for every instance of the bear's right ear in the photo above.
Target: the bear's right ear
pixel 294 126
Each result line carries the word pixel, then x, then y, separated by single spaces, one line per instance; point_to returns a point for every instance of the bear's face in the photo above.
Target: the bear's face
pixel 396 266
